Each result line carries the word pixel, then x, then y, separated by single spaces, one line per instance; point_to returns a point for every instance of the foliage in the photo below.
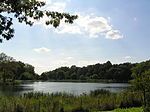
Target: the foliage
pixel 106 71
pixel 56 102
pixel 129 110
pixel 141 82
pixel 4 57
pixel 11 70
pixel 24 11
pixel 99 92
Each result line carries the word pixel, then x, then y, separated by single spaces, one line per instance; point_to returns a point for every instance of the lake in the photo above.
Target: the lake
pixel 67 87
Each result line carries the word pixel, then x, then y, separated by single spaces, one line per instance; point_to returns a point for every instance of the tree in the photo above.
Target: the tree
pixel 26 76
pixel 4 57
pixel 4 71
pixel 5 66
pixel 141 82
pixel 11 70
pixel 24 11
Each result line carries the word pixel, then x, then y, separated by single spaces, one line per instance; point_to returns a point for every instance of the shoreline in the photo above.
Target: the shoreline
pixel 85 81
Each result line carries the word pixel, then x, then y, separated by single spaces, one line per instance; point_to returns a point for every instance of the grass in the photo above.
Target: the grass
pixel 129 110
pixel 100 100
pixel 125 110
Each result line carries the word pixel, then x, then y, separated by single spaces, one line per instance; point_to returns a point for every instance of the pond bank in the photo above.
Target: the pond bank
pixel 94 102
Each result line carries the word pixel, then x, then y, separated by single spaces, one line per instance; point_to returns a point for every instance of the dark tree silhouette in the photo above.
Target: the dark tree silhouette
pixel 24 10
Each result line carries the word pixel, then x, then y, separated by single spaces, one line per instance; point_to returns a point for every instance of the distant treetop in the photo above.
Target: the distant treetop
pixel 4 58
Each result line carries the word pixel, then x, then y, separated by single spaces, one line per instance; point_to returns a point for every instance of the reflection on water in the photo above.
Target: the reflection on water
pixel 14 90
pixel 67 87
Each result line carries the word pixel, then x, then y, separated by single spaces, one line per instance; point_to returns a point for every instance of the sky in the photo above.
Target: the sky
pixel 114 30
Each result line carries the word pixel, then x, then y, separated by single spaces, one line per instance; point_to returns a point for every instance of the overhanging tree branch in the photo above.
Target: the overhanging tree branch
pixel 24 11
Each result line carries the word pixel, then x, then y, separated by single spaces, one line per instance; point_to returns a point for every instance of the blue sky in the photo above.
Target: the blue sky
pixel 115 30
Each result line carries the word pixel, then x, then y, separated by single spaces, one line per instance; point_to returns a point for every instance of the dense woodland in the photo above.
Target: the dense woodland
pixel 106 71
pixel 11 70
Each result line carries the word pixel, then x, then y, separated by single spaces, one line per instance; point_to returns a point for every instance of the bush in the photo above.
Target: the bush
pixel 130 99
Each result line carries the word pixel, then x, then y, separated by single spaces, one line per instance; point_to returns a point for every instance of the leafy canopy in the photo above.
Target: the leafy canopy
pixel 11 70
pixel 141 75
pixel 24 11
pixel 141 82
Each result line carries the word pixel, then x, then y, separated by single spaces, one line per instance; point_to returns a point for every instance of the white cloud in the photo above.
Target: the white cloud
pixel 42 50
pixel 90 26
pixel 87 25
pixel 97 25
pixel 114 34
pixel 67 28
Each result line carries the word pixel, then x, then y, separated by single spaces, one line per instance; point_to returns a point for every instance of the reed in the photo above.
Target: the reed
pixel 99 100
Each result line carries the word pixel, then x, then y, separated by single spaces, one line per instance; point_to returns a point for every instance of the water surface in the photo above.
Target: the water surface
pixel 67 87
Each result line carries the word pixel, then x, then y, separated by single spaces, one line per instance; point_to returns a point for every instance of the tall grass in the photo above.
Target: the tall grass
pixel 62 102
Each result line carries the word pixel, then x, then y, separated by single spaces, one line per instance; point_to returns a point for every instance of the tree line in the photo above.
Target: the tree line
pixel 105 71
pixel 10 69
